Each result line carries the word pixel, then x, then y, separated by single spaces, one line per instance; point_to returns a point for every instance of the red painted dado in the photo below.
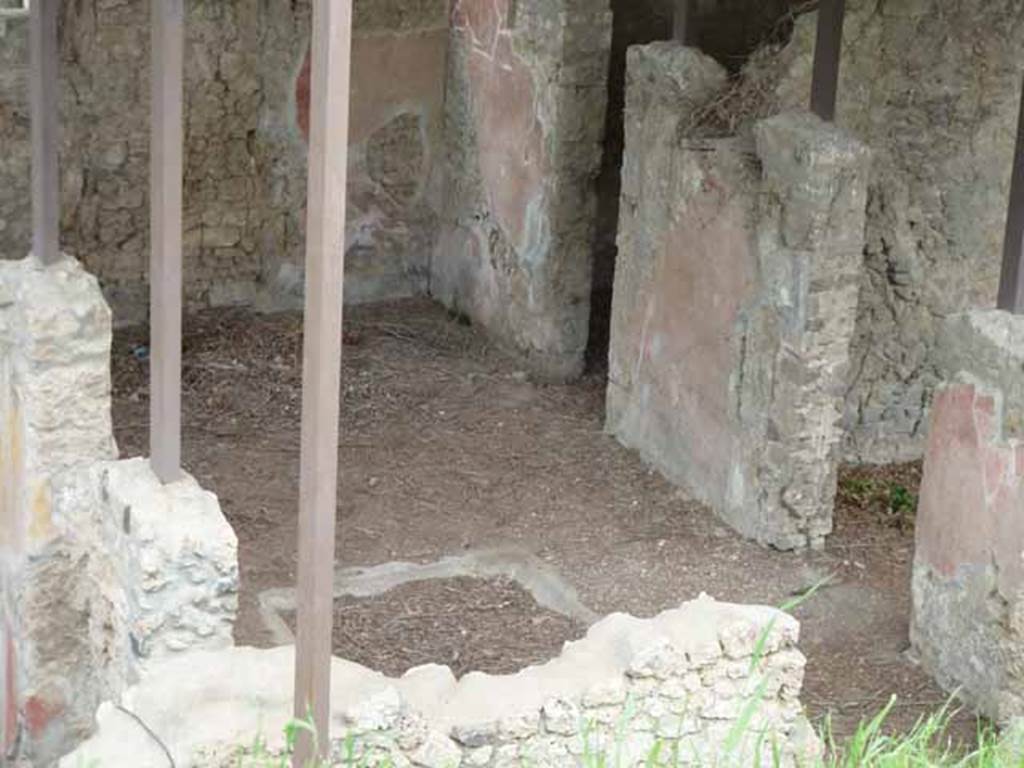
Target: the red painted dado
pixel 972 490
pixel 10 692
pixel 302 96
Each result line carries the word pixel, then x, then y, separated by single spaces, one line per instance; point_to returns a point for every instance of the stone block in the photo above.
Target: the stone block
pixel 968 612
pixel 735 300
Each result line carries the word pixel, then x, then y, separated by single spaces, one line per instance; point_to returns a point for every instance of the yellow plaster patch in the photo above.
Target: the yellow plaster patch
pixel 40 524
pixel 10 456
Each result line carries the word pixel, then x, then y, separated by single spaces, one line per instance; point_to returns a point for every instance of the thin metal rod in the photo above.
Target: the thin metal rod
pixel 43 86
pixel 321 372
pixel 1011 282
pixel 684 22
pixel 167 138
pixel 827 53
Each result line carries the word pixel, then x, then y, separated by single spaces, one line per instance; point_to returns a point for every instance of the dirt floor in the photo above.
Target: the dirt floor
pixel 447 446
pixel 468 624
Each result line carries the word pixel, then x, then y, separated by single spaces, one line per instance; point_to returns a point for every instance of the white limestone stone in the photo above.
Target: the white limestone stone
pixel 551 714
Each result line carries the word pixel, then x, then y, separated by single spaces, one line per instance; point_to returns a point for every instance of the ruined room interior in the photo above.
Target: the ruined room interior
pixel 515 461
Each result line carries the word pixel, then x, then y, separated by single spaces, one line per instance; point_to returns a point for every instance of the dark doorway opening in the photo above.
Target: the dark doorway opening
pixel 728 30
pixel 634 22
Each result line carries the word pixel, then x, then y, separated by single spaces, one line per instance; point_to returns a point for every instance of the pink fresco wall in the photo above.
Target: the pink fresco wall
pixel 972 494
pixel 510 145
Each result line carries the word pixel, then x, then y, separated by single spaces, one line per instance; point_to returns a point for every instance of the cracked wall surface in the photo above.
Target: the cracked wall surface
pixel 933 88
pixel 524 115
pixel 968 616
pixel 735 298
pixel 247 91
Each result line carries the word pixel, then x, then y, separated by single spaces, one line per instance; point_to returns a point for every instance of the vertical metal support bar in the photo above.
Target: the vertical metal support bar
pixel 43 99
pixel 1011 282
pixel 167 139
pixel 321 372
pixel 684 23
pixel 828 50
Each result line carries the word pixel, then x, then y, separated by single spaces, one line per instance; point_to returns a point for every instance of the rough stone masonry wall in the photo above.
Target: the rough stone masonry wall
pixel 245 168
pixel 683 678
pixel 524 116
pixel 968 583
pixel 933 88
pixel 735 298
pixel 15 170
pixel 103 568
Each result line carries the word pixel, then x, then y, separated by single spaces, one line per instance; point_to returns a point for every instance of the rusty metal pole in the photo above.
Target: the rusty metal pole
pixel 43 86
pixel 167 25
pixel 827 53
pixel 684 22
pixel 1011 283
pixel 321 367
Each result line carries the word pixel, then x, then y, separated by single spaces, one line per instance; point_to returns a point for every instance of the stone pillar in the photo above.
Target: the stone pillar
pixel 735 299
pixel 523 130
pixel 55 414
pixel 968 583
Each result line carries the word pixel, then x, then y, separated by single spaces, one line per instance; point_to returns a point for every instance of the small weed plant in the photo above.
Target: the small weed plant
pixel 871 746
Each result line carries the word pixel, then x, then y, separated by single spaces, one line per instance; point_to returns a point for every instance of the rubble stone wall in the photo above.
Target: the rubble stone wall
pixel 246 94
pixel 933 88
pixel 735 298
pixel 683 679
pixel 524 117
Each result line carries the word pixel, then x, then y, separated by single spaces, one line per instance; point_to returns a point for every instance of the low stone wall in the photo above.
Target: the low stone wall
pixel 682 679
pixel 968 615
pixel 524 117
pixel 735 300
pixel 104 569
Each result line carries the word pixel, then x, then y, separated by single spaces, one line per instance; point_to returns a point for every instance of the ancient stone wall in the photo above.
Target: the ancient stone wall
pixel 933 88
pixel 55 411
pixel 684 678
pixel 245 170
pixel 524 115
pixel 735 298
pixel 969 561
pixel 102 568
